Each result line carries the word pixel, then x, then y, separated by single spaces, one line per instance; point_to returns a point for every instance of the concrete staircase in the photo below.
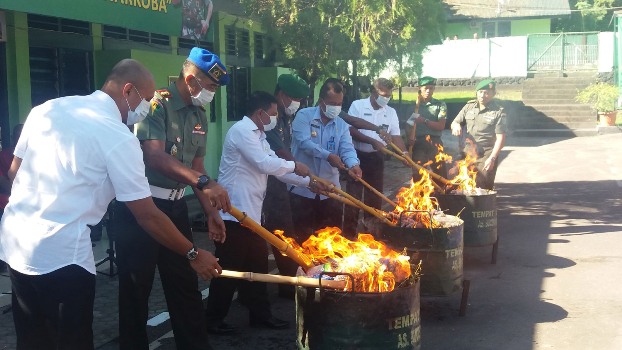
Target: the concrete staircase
pixel 550 108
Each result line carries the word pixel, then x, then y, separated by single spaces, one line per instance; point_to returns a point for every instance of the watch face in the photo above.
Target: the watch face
pixel 192 254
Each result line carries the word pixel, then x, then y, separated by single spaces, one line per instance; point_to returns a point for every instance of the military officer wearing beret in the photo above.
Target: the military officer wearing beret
pixel 424 137
pixel 277 212
pixel 486 128
pixel 173 139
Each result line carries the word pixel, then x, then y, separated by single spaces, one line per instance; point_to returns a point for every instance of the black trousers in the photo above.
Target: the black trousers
pixel 243 250
pixel 137 257
pixel 55 310
pixel 277 215
pixel 372 165
pixel 312 214
pixel 425 152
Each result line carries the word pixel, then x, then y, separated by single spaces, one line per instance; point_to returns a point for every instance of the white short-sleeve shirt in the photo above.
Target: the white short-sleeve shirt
pixel 77 155
pixel 385 117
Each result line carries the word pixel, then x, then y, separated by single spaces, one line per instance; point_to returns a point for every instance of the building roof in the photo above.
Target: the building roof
pixel 470 9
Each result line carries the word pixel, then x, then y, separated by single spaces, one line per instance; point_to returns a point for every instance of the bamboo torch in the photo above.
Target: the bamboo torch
pixel 296 281
pixel 280 244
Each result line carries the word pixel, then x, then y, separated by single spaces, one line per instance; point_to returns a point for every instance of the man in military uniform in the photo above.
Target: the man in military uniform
pixel 427 127
pixel 173 138
pixel 486 128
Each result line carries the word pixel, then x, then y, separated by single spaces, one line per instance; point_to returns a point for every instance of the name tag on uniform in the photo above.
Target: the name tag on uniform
pixel 331 145
pixel 200 132
pixel 367 114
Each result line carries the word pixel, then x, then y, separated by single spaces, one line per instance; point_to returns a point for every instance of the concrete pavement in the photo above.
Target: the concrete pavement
pixel 555 284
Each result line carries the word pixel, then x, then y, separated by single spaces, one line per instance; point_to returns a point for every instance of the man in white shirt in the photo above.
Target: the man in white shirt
pixel 375 110
pixel 246 162
pixel 74 156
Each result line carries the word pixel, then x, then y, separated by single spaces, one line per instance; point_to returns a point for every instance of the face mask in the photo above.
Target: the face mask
pixel 382 101
pixel 332 112
pixel 292 108
pixel 204 97
pixel 272 124
pixel 139 113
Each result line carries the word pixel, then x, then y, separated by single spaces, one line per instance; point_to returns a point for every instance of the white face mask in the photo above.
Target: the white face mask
pixel 138 114
pixel 272 124
pixel 204 97
pixel 382 101
pixel 332 112
pixel 292 108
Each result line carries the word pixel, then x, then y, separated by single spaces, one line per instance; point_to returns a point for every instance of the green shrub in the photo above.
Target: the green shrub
pixel 600 96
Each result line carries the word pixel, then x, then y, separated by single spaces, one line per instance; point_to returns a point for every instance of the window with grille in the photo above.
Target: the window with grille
pixel 238 91
pixel 230 45
pixel 259 46
pixel 243 43
pixel 58 24
pixel 138 36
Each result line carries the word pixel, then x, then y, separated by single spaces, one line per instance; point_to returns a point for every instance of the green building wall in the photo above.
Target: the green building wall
pixel 518 27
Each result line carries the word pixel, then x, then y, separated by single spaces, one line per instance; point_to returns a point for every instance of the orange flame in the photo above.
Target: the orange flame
pixel 465 179
pixel 375 267
pixel 416 203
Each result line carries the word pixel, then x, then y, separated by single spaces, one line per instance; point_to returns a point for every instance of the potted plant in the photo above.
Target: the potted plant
pixel 602 97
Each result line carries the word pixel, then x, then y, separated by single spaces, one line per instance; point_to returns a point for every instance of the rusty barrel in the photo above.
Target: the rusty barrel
pixel 335 320
pixel 479 213
pixel 440 249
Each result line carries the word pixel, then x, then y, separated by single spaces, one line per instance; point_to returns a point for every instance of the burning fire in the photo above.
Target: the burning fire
pixel 375 267
pixel 465 179
pixel 415 204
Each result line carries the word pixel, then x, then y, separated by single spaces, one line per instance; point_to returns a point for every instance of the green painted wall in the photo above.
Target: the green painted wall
pixel 531 26
pixel 18 69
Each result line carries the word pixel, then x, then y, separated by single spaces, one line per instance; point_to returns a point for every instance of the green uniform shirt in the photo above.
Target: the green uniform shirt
pixel 483 125
pixel 433 110
pixel 182 127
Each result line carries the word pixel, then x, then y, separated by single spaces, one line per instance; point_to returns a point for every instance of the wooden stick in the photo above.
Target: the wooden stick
pixel 378 193
pixel 378 213
pixel 280 244
pixel 296 281
pixel 373 211
pixel 414 165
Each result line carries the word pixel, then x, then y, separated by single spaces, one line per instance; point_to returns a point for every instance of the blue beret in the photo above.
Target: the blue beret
pixel 486 84
pixel 209 64
pixel 293 86
pixel 423 81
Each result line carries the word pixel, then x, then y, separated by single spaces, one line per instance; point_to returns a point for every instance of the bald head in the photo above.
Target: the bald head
pixel 127 83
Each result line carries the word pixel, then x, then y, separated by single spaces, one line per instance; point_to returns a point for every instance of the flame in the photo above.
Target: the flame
pixel 374 266
pixel 416 202
pixel 465 179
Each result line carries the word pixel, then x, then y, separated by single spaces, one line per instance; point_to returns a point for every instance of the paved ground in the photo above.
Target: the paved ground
pixel 555 284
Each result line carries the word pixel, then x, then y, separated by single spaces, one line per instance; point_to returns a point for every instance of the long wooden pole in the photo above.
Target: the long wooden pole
pixel 434 175
pixel 296 281
pixel 378 193
pixel 280 244
pixel 373 211
pixel 415 166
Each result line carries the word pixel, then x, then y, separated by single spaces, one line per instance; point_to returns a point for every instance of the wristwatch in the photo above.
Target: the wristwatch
pixel 202 181
pixel 192 254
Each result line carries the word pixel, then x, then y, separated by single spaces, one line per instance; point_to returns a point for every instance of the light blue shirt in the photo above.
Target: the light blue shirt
pixel 313 142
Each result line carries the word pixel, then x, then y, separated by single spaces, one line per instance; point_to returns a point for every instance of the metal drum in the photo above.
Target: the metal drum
pixel 335 320
pixel 479 213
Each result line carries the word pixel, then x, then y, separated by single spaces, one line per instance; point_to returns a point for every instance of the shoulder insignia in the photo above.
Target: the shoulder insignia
pixel 472 101
pixel 158 96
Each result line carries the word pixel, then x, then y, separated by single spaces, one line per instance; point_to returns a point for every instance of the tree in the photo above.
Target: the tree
pixel 316 37
pixel 592 15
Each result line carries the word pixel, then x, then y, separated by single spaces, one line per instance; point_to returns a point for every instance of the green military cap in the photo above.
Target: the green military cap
pixel 293 86
pixel 486 84
pixel 426 81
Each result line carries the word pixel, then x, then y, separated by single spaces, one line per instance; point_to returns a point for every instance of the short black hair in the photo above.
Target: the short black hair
pixel 333 84
pixel 259 100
